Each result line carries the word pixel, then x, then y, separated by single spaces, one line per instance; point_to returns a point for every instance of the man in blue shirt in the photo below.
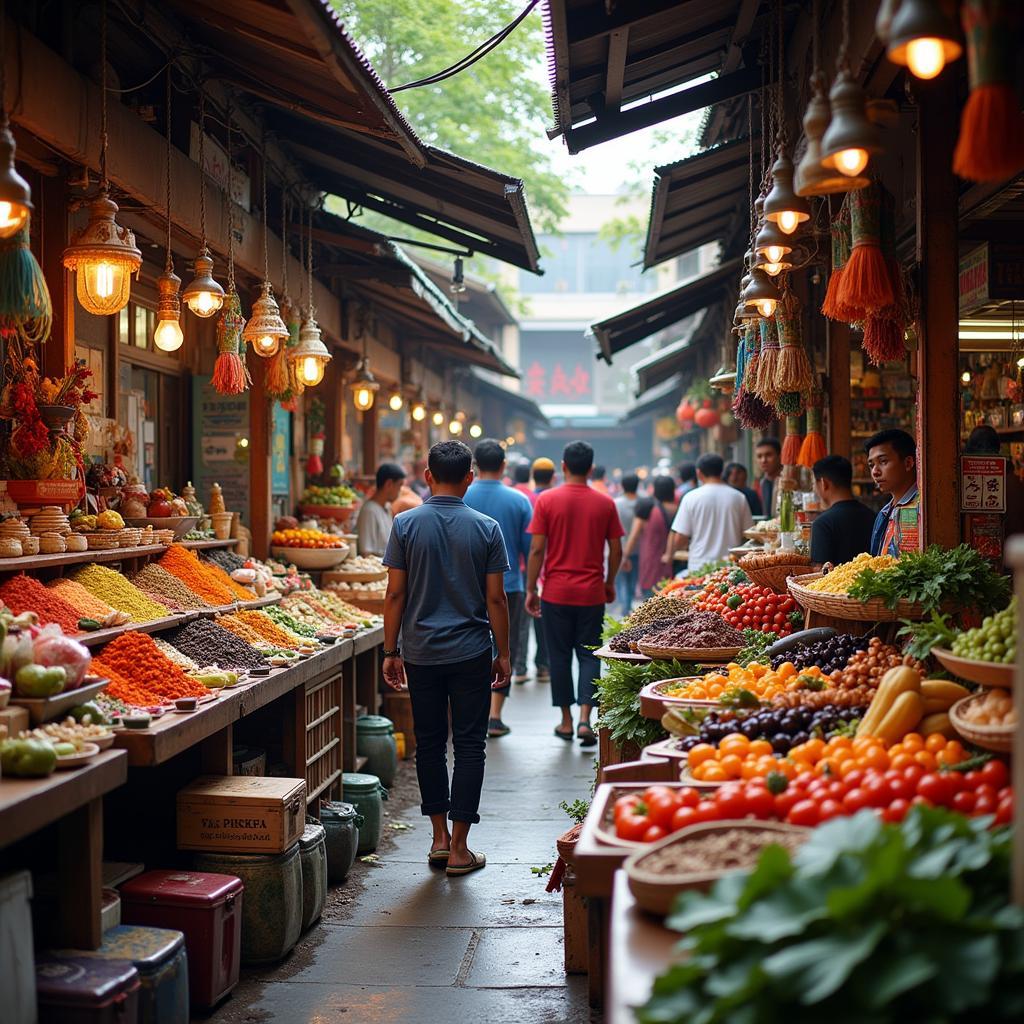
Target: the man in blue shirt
pixel 446 570
pixel 512 512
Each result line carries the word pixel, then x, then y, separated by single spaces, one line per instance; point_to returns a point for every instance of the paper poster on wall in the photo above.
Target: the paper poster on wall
pixel 280 451
pixel 220 438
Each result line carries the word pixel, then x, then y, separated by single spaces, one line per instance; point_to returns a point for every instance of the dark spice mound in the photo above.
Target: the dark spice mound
pixel 227 560
pixel 702 629
pixel 625 642
pixel 209 644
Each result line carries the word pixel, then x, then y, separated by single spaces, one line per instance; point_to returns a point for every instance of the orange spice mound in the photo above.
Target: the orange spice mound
pixel 126 690
pixel 242 593
pixel 196 575
pixel 136 657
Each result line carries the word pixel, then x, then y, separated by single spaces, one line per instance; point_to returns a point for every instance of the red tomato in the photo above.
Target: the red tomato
pixel 901 787
pixel 854 779
pixel 1004 812
pixel 987 791
pixel 805 812
pixel 784 802
pixel 689 797
pixel 995 773
pixel 855 800
pixel 964 801
pixel 684 816
pixel 625 804
pixel 914 772
pixel 660 808
pixel 896 811
pixel 955 781
pixel 706 810
pixel 985 805
pixel 760 803
pixel 804 779
pixel 974 779
pixel 731 803
pixel 878 793
pixel 632 825
pixel 830 809
pixel 935 789
pixel 654 833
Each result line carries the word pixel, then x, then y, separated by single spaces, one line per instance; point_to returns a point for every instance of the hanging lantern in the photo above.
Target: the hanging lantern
pixel 724 379
pixel 685 412
pixel 418 410
pixel 266 331
pixel 204 296
pixel 850 139
pixel 782 205
pixel 438 418
pixel 455 426
pixel 168 336
pixel 707 418
pixel 311 355
pixel 364 387
pixel 761 294
pixel 772 244
pixel 476 430
pixel 922 38
pixel 812 179
pixel 396 400
pixel 15 194
pixel 103 256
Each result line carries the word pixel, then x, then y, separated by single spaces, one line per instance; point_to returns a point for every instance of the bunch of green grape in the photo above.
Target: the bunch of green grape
pixel 994 640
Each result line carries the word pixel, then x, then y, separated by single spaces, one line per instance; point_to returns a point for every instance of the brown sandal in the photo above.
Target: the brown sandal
pixel 479 860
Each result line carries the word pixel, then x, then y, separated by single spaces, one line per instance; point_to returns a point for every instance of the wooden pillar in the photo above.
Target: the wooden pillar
pixel 80 864
pixel 333 396
pixel 838 388
pixel 259 458
pixel 50 234
pixel 370 441
pixel 937 354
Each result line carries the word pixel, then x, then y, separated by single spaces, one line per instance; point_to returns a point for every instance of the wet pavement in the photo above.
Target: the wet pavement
pixel 401 942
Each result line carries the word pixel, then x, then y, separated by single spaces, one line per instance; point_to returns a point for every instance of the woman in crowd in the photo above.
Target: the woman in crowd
pixel 651 520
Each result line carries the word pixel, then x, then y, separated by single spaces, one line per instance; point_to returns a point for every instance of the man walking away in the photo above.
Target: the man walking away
pixel 543 470
pixel 687 479
pixel 710 519
pixel 768 456
pixel 521 482
pixel 512 512
pixel 597 479
pixel 843 530
pixel 543 475
pixel 572 525
pixel 446 569
pixel 625 505
pixel 373 524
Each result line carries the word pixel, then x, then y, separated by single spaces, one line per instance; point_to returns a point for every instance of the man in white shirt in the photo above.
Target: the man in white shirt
pixel 374 521
pixel 711 519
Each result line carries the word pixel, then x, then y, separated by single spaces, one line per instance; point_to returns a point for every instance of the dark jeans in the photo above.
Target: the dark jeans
pixel 572 628
pixel 540 659
pixel 625 588
pixel 466 686
pixel 518 632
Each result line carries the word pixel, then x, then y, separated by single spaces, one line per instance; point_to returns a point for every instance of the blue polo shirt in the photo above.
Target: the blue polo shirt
pixel 512 511
pixel 447 550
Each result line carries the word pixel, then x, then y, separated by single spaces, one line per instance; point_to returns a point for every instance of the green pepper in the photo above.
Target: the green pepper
pixel 776 783
pixel 39 681
pixel 89 625
pixel 27 758
pixel 734 601
pixel 91 711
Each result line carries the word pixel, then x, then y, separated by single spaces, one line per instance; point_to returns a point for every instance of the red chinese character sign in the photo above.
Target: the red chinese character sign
pixel 982 483
pixel 557 367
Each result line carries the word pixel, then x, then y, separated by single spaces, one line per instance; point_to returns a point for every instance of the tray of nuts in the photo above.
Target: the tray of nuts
pixel 70 731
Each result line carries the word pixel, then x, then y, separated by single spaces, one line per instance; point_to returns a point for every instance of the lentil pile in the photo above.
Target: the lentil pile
pixel 207 644
pixel 624 642
pixel 699 630
pixel 239 628
pixel 724 849
pixel 183 661
pixel 22 593
pixel 119 593
pixel 229 561
pixel 655 608
pixel 267 629
pixel 241 593
pixel 135 660
pixel 158 581
pixel 87 605
pixel 196 575
pixel 841 578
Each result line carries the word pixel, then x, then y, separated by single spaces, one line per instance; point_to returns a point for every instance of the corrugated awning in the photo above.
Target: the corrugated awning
pixel 697 200
pixel 633 325
pixel 657 399
pixel 328 108
pixel 661 365
pixel 605 60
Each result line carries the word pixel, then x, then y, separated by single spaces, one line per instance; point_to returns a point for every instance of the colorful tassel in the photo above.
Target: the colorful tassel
pixel 25 305
pixel 792 441
pixel 839 229
pixel 793 369
pixel 865 286
pixel 768 362
pixel 991 143
pixel 813 447
pixel 230 376
pixel 751 412
pixel 741 362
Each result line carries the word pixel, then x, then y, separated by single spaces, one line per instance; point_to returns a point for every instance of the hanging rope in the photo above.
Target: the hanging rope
pixel 103 96
pixel 202 169
pixel 780 71
pixel 168 261
pixel 263 193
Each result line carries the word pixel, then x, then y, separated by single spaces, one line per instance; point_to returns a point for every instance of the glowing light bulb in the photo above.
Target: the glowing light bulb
pixel 926 57
pixel 851 161
pixel 243 442
pixel 1020 363
pixel 774 253
pixel 168 336
pixel 510 440
pixel 437 419
pixel 396 401
pixel 475 430
pixel 311 372
pixel 12 217
pixel 455 428
pixel 267 344
pixel 419 412
pixel 362 398
pixel 766 307
pixel 966 376
pixel 103 276
pixel 204 303
pixel 772 269
pixel 789 221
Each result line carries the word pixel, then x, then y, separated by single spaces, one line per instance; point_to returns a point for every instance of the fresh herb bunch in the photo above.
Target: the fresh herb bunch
pixel 959 575
pixel 610 627
pixel 868 922
pixel 755 644
pixel 921 637
pixel 619 698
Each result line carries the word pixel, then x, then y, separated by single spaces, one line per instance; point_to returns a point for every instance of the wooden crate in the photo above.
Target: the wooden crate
pixel 323 733
pixel 574 926
pixel 398 707
pixel 241 814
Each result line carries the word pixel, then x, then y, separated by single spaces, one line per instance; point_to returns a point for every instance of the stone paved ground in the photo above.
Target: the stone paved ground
pixel 400 942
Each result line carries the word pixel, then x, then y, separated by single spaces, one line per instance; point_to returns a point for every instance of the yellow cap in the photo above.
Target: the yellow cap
pixel 542 464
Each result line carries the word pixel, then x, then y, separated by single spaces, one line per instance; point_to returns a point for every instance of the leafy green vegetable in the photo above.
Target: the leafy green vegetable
pixel 960 576
pixel 867 922
pixel 755 644
pixel 610 627
pixel 923 636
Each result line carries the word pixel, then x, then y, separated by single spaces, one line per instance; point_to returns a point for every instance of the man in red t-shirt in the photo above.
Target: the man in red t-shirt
pixel 571 526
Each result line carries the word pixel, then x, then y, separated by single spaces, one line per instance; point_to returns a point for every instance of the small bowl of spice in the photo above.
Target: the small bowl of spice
pixel 185 704
pixel 140 721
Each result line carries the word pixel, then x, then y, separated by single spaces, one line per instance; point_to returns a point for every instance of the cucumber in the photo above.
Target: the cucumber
pixel 89 625
pixel 805 636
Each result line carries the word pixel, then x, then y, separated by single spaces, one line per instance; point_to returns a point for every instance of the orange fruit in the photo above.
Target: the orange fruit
pixel 874 757
pixel 759 748
pixel 901 760
pixel 732 765
pixel 734 743
pixel 935 742
pixel 913 742
pixel 699 754
pixel 926 759
pixel 711 771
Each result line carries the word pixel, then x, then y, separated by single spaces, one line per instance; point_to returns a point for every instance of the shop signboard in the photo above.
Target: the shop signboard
pixel 973 279
pixel 280 450
pixel 990 272
pixel 220 439
pixel 985 534
pixel 982 483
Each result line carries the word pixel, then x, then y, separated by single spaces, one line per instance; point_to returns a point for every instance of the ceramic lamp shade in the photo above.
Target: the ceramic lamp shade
pixel 15 193
pixel 782 205
pixel 923 38
pixel 811 178
pixel 850 139
pixel 265 331
pixel 310 355
pixel 204 296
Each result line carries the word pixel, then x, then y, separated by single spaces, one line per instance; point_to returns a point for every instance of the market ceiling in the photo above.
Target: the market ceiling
pixel 632 325
pixel 329 108
pixel 606 57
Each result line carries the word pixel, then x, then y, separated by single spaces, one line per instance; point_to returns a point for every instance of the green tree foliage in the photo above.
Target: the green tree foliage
pixel 495 112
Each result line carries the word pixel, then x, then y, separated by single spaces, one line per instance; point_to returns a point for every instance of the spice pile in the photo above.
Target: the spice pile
pixel 719 850
pixel 197 576
pixel 86 604
pixel 23 593
pixel 268 630
pixel 208 644
pixel 656 607
pixel 701 630
pixel 155 580
pixel 624 642
pixel 293 622
pixel 141 674
pixel 183 661
pixel 229 561
pixel 241 592
pixel 841 578
pixel 119 593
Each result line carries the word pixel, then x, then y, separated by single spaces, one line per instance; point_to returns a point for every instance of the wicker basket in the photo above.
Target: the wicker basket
pixel 992 737
pixel 702 655
pixel 130 537
pixel 842 606
pixel 566 843
pixel 775 576
pixel 102 540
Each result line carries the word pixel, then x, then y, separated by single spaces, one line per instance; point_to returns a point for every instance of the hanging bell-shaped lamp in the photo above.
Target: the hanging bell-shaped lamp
pixel 15 194
pixel 311 355
pixel 850 139
pixel 103 256
pixel 266 331
pixel 782 206
pixel 743 311
pixel 771 243
pixel 923 38
pixel 761 294
pixel 203 295
pixel 168 336
pixel 364 386
pixel 811 178
pixel 418 409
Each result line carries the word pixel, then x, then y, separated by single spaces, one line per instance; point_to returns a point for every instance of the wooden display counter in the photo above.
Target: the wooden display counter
pixel 74 800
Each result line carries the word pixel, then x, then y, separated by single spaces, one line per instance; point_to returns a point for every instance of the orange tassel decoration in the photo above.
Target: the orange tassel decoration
pixel 839 229
pixel 991 143
pixel 813 447
pixel 866 286
pixel 230 376
pixel 792 441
